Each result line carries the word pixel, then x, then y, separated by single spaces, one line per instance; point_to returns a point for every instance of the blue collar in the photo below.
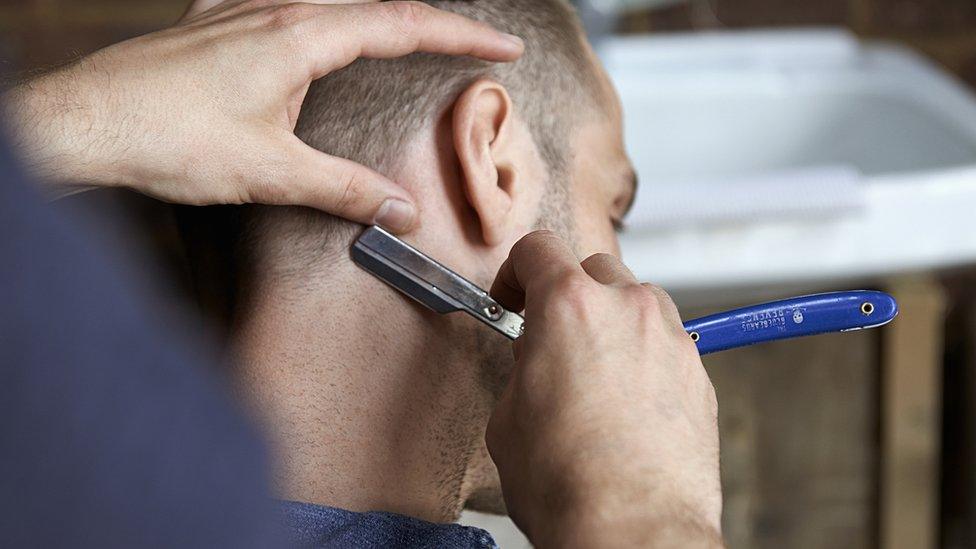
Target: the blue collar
pixel 315 526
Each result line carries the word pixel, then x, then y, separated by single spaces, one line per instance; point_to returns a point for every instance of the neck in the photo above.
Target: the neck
pixel 371 403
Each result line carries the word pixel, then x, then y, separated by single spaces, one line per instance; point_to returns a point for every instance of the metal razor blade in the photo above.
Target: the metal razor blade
pixel 428 282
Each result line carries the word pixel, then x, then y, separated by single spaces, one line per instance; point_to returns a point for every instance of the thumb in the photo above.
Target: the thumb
pixel 343 188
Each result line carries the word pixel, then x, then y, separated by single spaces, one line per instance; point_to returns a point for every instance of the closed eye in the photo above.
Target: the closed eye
pixel 618 225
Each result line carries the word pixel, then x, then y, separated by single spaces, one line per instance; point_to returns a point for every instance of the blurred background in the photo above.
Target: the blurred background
pixel 784 146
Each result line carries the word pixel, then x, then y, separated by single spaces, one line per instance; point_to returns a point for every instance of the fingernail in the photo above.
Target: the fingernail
pixel 395 215
pixel 514 39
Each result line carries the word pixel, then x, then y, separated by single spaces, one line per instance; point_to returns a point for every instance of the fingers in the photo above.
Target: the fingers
pixel 342 188
pixel 337 35
pixel 668 309
pixel 536 262
pixel 333 33
pixel 198 7
pixel 540 259
pixel 607 269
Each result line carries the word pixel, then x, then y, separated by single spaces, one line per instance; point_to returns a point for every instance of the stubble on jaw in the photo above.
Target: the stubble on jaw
pixel 481 486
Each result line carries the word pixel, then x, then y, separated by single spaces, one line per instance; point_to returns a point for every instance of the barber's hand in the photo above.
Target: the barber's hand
pixel 606 434
pixel 204 112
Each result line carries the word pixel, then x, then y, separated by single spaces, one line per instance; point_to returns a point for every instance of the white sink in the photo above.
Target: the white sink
pixel 732 106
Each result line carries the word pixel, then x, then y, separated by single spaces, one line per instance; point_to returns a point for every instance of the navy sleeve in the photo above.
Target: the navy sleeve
pixel 114 432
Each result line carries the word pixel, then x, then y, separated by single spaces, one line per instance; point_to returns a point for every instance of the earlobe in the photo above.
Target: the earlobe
pixel 483 126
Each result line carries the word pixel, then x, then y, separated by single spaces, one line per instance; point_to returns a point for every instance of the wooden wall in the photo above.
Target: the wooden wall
pixel 799 428
pixel 42 32
pixel 38 33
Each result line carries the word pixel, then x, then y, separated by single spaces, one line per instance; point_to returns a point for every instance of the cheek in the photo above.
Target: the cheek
pixel 601 240
pixel 594 232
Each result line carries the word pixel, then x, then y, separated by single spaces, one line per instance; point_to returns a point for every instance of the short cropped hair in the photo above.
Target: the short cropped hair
pixel 369 111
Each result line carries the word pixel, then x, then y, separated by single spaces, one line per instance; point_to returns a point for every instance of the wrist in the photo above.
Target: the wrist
pixel 637 529
pixel 55 130
pixel 609 510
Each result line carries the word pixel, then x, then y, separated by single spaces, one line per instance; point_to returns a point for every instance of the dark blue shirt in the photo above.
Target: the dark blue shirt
pixel 115 429
pixel 315 526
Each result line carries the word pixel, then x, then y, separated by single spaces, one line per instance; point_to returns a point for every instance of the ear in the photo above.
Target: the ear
pixel 484 141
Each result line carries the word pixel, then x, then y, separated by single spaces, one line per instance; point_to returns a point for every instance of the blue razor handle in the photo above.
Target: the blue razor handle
pixel 794 317
pixel 444 291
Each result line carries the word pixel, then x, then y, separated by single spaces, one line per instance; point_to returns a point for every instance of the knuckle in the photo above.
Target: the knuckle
pixel 662 296
pixel 350 193
pixel 572 284
pixel 535 239
pixel 666 301
pixel 259 178
pixel 573 293
pixel 646 298
pixel 287 16
pixel 653 288
pixel 406 17
pixel 252 186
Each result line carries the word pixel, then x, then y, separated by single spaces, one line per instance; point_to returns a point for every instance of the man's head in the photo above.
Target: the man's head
pixel 491 152
pixel 524 121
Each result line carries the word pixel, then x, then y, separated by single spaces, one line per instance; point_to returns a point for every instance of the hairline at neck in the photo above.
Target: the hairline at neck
pixel 371 402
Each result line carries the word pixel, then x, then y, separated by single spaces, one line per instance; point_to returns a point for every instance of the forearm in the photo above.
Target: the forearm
pixel 54 128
